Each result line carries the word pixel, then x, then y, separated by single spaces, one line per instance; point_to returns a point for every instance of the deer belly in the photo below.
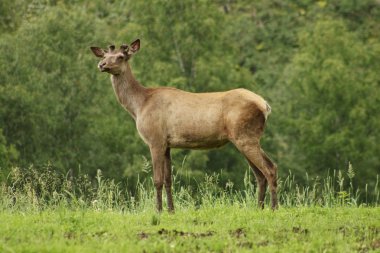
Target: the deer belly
pixel 197 133
pixel 188 141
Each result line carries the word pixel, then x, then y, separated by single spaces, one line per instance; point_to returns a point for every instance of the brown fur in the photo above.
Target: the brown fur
pixel 171 118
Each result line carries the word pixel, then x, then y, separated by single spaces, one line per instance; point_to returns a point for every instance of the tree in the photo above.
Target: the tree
pixel 330 92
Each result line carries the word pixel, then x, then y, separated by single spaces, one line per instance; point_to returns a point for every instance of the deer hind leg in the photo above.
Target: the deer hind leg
pixel 245 132
pixel 261 184
pixel 158 160
pixel 168 181
pixel 258 158
pixel 273 175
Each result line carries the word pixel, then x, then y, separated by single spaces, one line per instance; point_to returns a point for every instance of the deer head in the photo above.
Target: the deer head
pixel 114 61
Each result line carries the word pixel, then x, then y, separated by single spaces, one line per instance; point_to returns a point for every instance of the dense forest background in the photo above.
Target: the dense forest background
pixel 316 62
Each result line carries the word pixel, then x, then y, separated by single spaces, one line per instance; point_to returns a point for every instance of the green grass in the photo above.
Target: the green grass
pixel 42 211
pixel 219 228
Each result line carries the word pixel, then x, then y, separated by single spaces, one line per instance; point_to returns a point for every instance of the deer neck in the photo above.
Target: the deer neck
pixel 129 92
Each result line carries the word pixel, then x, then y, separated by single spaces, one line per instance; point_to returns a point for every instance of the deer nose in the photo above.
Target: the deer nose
pixel 101 65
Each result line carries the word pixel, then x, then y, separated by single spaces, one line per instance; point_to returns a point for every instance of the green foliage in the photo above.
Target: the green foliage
pixel 45 85
pixel 8 155
pixel 11 14
pixel 332 99
pixel 3 151
pixel 316 62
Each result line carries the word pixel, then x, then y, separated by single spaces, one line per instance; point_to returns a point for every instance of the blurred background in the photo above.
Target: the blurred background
pixel 316 62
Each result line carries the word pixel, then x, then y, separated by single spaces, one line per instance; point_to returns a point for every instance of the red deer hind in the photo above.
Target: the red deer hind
pixel 171 118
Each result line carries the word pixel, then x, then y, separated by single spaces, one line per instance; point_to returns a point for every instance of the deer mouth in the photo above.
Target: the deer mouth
pixel 105 69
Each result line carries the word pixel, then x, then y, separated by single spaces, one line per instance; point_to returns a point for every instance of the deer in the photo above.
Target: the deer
pixel 168 118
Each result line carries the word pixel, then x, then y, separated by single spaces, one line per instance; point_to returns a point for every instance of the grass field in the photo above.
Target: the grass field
pixel 211 229
pixel 44 212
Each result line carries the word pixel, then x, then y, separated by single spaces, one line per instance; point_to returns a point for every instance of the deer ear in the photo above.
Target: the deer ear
pixel 135 46
pixel 98 52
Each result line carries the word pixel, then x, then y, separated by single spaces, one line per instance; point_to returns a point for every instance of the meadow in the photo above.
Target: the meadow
pixel 216 228
pixel 43 211
pixel 316 63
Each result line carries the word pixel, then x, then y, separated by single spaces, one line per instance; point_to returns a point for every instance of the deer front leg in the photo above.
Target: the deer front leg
pixel 168 180
pixel 158 160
